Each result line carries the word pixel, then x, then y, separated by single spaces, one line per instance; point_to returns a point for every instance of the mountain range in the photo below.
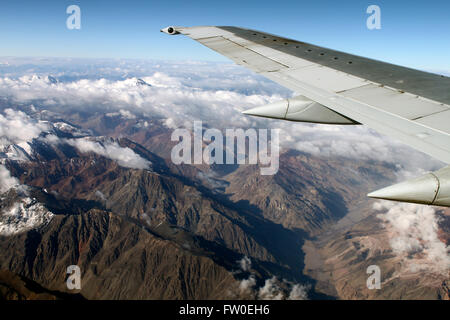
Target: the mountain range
pixel 100 191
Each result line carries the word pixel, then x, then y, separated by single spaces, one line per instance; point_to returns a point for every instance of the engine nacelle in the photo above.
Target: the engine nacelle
pixel 432 188
pixel 300 109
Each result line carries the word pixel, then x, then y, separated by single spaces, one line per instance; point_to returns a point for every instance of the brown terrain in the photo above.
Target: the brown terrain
pixel 178 232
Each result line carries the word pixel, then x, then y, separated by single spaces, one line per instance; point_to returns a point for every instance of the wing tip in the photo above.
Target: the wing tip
pixel 171 30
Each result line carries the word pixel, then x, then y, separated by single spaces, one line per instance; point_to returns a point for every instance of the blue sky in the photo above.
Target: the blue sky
pixel 413 34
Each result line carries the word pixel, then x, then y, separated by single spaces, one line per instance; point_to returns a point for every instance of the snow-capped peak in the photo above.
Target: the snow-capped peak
pixel 23 215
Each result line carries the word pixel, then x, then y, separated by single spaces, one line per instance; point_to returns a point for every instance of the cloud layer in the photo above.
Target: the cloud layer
pixel 6 180
pixel 180 93
pixel 414 236
pixel 19 128
pixel 125 157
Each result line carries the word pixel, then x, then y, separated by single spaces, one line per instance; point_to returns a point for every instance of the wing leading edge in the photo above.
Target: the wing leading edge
pixel 410 105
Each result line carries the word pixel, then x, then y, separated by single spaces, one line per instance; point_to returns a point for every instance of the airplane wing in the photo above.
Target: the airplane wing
pixel 339 88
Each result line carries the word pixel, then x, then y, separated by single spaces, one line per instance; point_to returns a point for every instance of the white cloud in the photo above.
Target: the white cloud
pixel 273 289
pixel 18 128
pixel 6 180
pixel 270 290
pixel 246 286
pixel 298 292
pixel 125 157
pixel 100 195
pixel 215 94
pixel 245 263
pixel 357 142
pixel 413 231
pixel 124 113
